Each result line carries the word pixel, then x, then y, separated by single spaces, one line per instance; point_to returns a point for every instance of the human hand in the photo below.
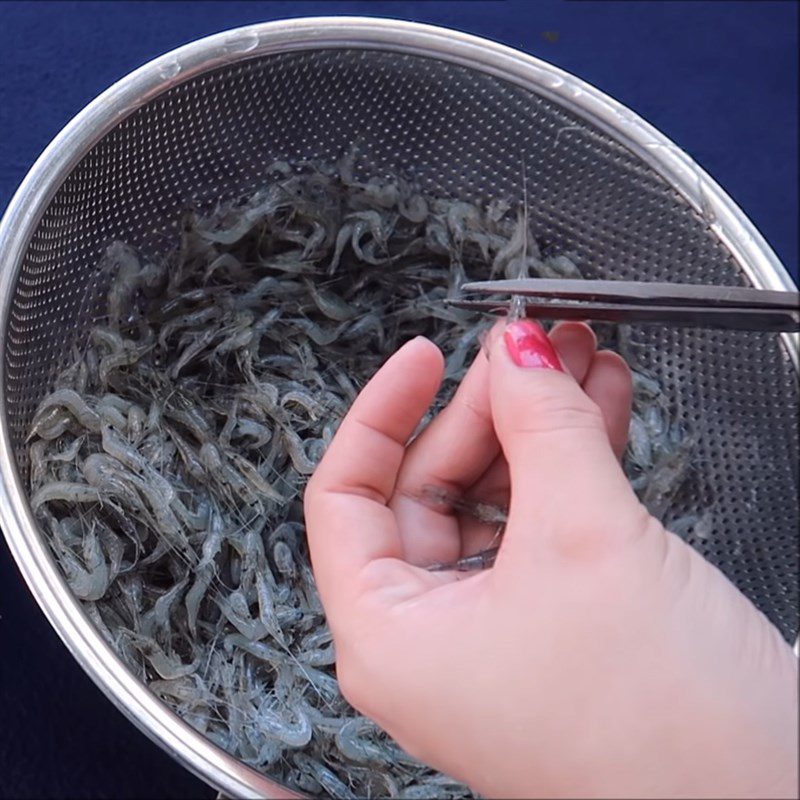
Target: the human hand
pixel 601 656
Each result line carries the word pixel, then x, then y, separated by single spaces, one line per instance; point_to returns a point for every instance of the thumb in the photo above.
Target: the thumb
pixel 567 487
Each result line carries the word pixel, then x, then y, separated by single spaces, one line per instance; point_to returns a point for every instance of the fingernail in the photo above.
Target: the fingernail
pixel 528 346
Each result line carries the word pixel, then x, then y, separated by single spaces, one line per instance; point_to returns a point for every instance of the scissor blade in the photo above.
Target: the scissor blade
pixel 748 319
pixel 637 292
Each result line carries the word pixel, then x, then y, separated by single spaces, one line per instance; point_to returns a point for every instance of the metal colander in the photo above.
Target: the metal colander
pixel 460 115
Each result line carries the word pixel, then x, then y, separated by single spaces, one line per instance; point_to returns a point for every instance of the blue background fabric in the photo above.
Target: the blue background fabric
pixel 718 77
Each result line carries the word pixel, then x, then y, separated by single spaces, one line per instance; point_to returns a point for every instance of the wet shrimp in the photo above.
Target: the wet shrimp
pixel 169 458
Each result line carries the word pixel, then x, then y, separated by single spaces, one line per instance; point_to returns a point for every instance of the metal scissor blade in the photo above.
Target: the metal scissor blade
pixel 748 319
pixel 640 293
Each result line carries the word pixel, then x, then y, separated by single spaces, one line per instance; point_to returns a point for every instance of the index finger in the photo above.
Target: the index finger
pixel 348 522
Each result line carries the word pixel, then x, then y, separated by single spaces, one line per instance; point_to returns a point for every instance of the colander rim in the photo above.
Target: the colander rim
pixel 740 237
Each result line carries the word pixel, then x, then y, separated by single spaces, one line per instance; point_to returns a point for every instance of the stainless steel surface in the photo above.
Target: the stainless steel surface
pixel 461 114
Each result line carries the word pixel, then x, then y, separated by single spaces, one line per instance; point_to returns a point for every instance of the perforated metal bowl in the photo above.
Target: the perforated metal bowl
pixel 460 114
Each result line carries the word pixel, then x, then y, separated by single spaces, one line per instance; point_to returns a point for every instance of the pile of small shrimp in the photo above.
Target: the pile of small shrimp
pixel 169 460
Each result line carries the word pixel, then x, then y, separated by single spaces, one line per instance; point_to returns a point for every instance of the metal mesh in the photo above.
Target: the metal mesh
pixel 461 133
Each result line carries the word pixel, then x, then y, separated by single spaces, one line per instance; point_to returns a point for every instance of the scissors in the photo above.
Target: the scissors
pixel 675 304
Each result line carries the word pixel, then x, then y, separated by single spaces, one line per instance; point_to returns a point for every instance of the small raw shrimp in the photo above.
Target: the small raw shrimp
pixel 414 208
pixel 353 745
pixel 107 475
pixel 306 401
pixel 294 732
pixel 237 611
pixel 191 460
pixel 368 224
pixel 284 560
pixel 136 422
pixel 456 361
pixel 38 459
pixel 321 336
pixel 210 457
pixel 113 417
pixel 169 667
pixel 258 484
pixel 369 326
pixel 187 690
pixel 119 449
pixel 324 777
pixel 226 262
pixel 250 429
pixel 645 386
pixel 192 350
pixel 639 443
pixel 482 560
pixel 121 260
pixel 71 401
pixel 88 580
pixel 665 479
pixel 157 619
pixel 260 650
pixel 319 655
pixel 485 512
pixel 50 424
pixel 238 334
pixel 128 356
pixel 297 453
pixel 70 452
pixel 330 304
pixel 64 492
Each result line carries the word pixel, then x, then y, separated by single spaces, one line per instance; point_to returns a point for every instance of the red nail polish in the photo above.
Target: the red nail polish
pixel 529 346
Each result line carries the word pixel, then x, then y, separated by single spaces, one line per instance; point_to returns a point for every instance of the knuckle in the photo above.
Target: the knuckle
pixel 581 416
pixel 552 413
